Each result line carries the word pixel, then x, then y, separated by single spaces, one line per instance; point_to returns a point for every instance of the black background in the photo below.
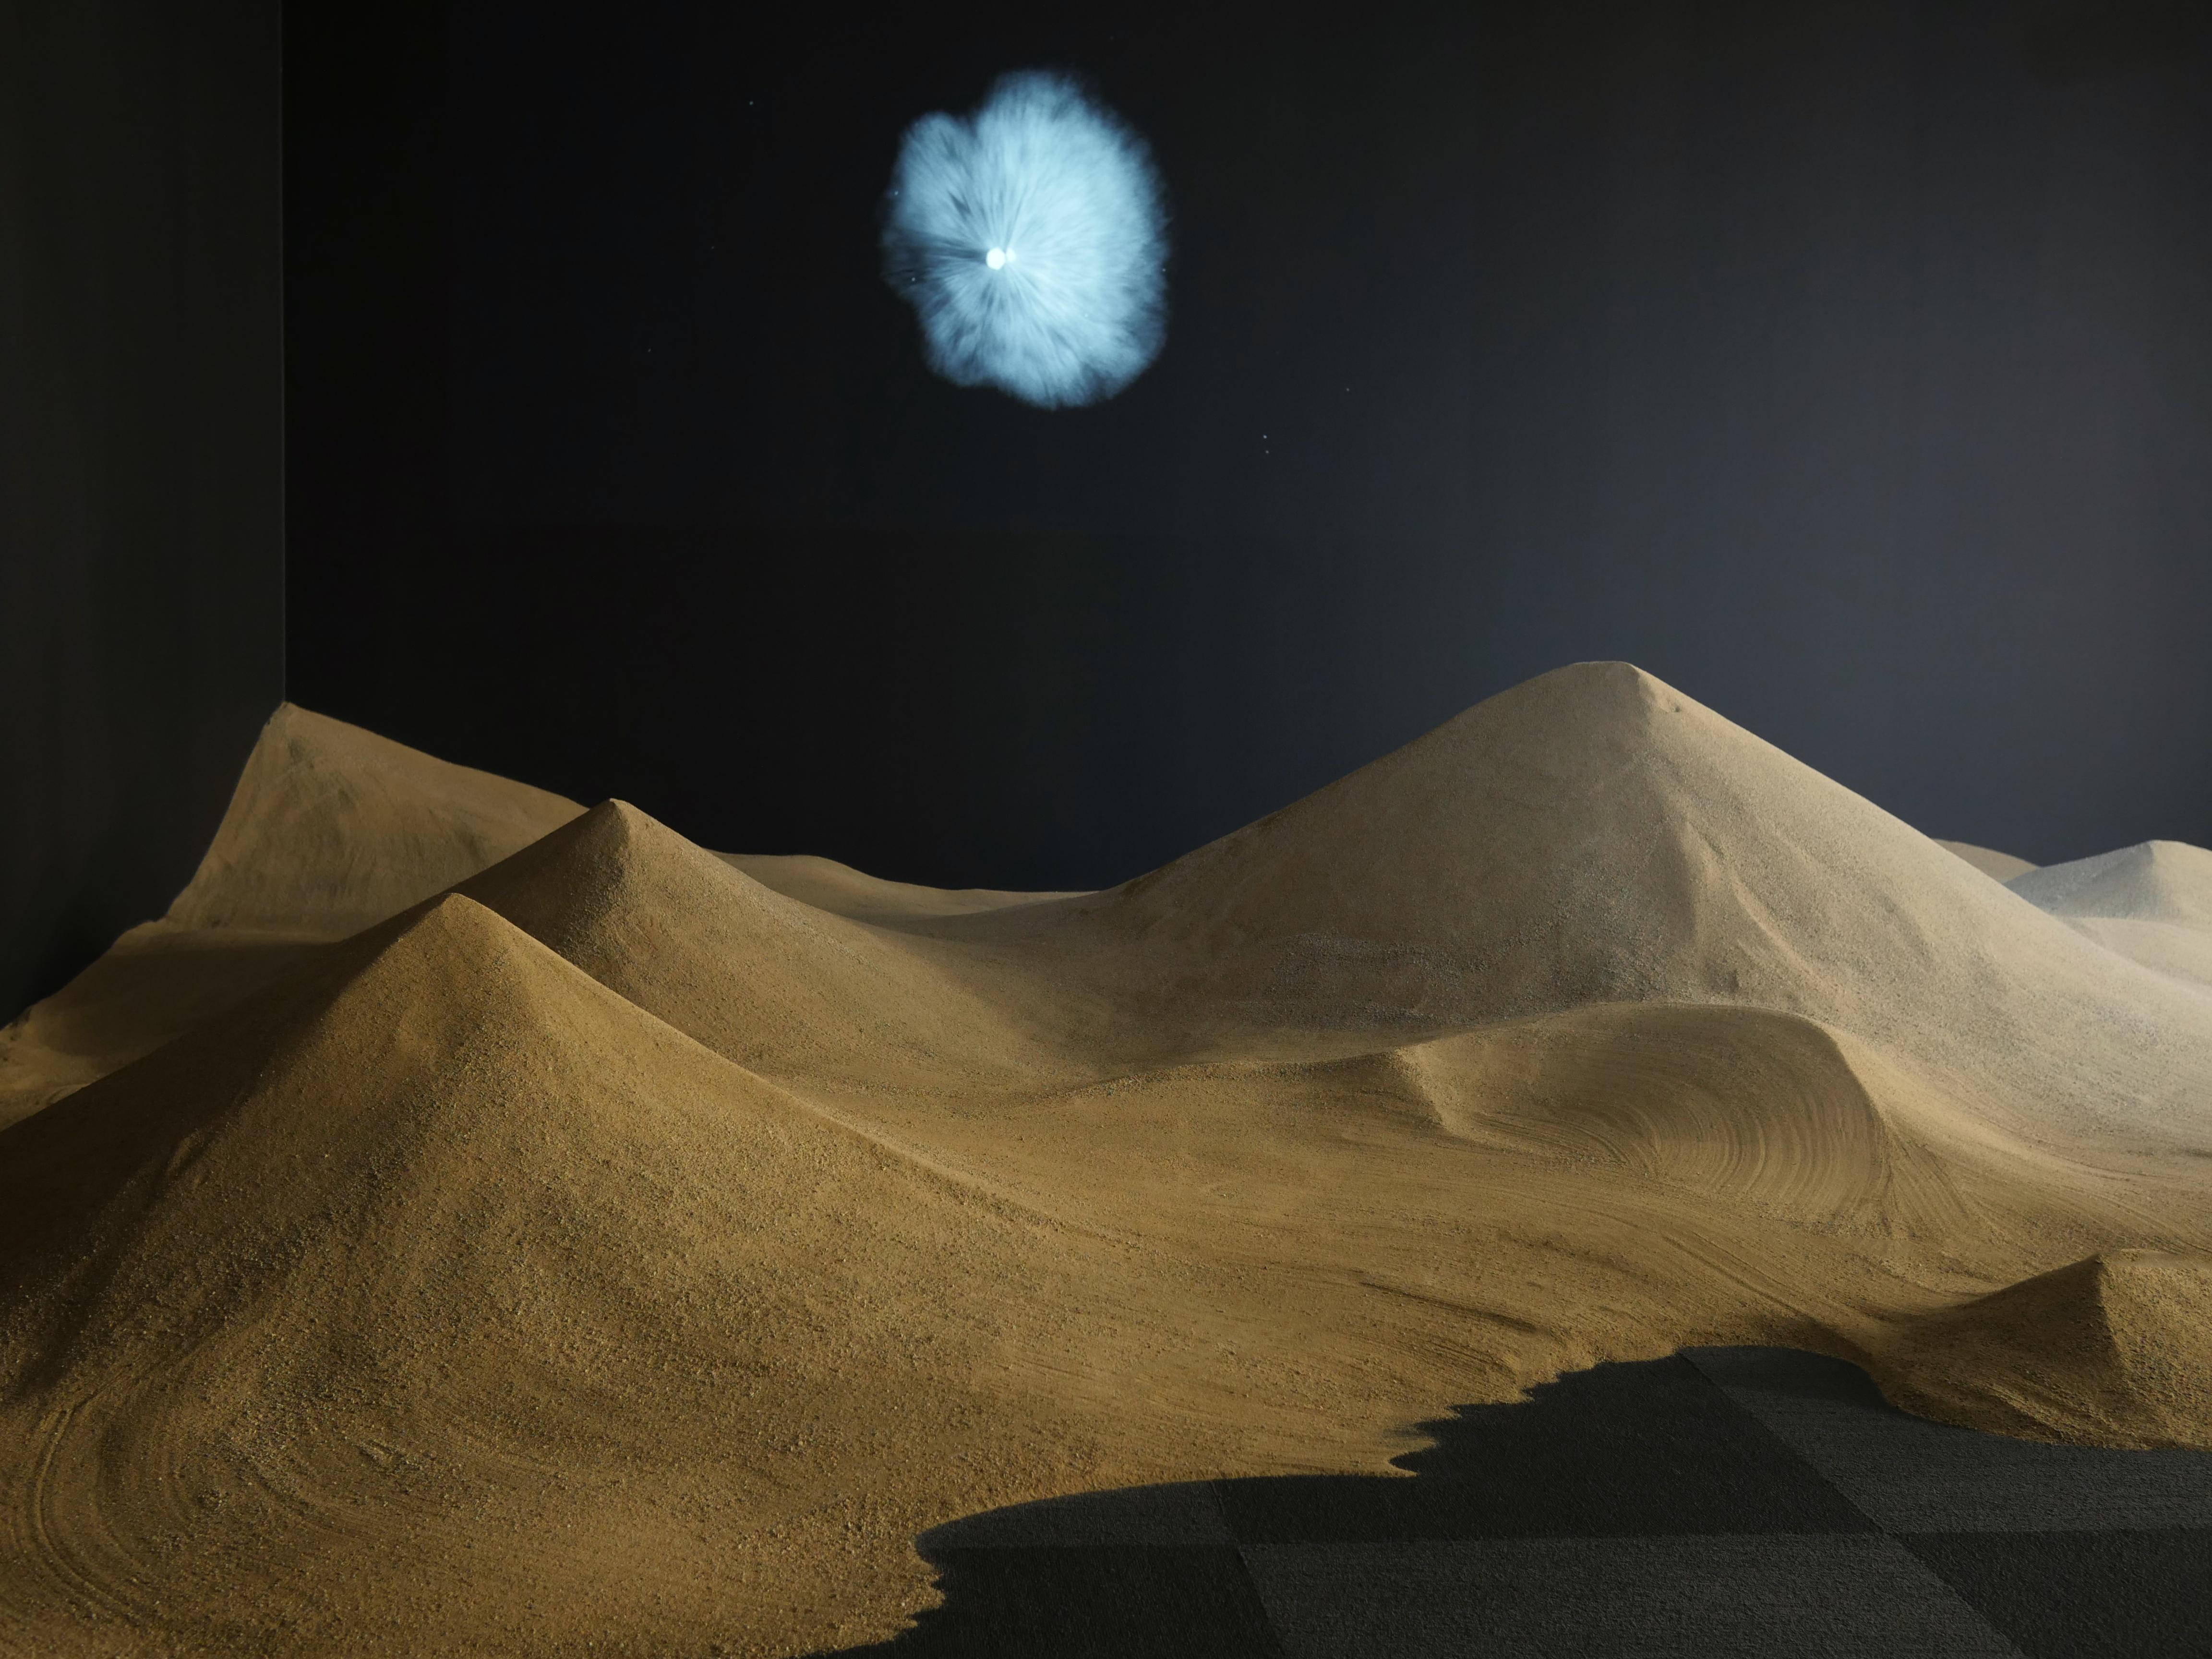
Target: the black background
pixel 1849 366
pixel 141 442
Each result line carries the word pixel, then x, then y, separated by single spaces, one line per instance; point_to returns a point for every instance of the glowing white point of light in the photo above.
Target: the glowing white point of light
pixel 997 258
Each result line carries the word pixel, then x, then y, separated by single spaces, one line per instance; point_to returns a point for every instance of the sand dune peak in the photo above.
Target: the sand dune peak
pixel 2152 881
pixel 470 1223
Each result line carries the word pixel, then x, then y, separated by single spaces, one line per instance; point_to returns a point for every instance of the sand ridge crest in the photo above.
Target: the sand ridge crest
pixel 450 1245
pixel 412 1040
pixel 826 884
pixel 615 1246
pixel 331 829
pixel 766 980
pixel 1748 1105
pixel 2165 881
pixel 1997 867
pixel 1595 836
pixel 2151 904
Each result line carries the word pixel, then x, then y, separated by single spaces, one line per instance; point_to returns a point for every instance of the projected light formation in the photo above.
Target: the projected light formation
pixel 1030 238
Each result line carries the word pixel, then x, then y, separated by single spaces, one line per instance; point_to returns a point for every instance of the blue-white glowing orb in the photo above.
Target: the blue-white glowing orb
pixel 1031 239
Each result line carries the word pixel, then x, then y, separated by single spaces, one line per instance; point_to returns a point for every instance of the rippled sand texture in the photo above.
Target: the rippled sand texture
pixel 470 1224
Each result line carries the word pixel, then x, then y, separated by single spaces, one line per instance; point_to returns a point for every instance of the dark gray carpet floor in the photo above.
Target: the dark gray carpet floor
pixel 1753 1502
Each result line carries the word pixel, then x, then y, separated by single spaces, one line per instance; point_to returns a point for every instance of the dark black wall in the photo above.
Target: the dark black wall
pixel 1848 365
pixel 141 454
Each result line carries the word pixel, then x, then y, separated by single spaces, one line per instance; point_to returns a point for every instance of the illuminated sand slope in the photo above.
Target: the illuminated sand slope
pixel 471 1224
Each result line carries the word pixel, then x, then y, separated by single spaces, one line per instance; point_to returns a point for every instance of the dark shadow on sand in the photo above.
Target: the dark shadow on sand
pixel 1775 1486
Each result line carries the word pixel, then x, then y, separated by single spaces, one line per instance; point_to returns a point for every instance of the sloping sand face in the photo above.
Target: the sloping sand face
pixel 331 829
pixel 766 980
pixel 2157 881
pixel 330 1320
pixel 1997 867
pixel 2121 1340
pixel 1595 836
pixel 1752 1106
pixel 548 1236
pixel 2151 904
pixel 842 890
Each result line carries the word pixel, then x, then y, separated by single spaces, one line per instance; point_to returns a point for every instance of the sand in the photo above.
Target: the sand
pixel 2150 903
pixel 2119 1343
pixel 331 829
pixel 1998 867
pixel 467 1223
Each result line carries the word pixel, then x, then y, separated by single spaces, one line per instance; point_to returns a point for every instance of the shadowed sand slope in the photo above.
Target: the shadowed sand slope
pixel 520 1231
pixel 333 828
pixel 157 980
pixel 842 890
pixel 2122 1339
pixel 1998 867
pixel 766 980
pixel 330 829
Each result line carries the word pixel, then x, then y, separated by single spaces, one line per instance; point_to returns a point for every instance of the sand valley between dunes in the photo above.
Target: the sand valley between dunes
pixel 467 1223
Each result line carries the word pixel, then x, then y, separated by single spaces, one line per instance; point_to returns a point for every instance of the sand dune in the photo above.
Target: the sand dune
pixel 2157 881
pixel 2176 950
pixel 2151 904
pixel 2122 1340
pixel 842 890
pixel 763 979
pixel 331 829
pixel 449 1300
pixel 393 1281
pixel 468 1224
pixel 1747 1105
pixel 1998 867
pixel 155 982
pixel 1592 836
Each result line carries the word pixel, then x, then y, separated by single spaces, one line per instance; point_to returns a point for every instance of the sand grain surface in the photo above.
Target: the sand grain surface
pixel 470 1224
